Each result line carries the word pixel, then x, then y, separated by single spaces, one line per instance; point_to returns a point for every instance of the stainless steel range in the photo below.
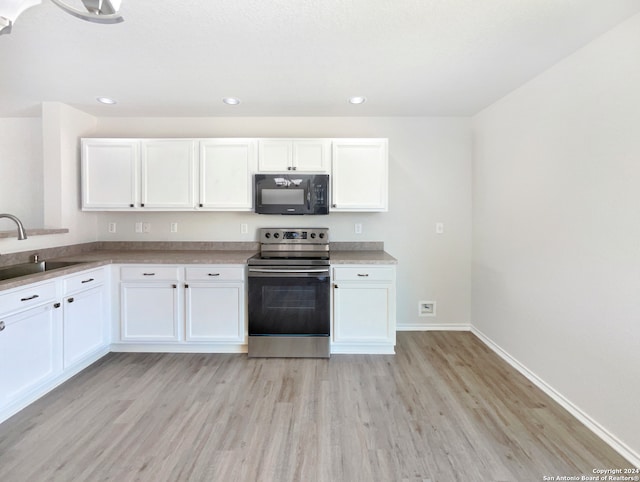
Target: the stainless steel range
pixel 289 288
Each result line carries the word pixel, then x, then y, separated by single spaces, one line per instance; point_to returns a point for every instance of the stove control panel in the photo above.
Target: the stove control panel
pixel 294 235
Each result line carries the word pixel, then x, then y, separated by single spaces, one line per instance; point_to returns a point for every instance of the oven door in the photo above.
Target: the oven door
pixel 289 301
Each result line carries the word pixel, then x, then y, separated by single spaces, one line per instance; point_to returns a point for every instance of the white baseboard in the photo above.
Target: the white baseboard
pixel 362 349
pixel 179 348
pixel 610 439
pixel 433 327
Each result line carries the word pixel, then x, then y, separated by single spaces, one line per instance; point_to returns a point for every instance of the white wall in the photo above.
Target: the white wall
pixel 556 229
pixel 55 168
pixel 21 177
pixel 430 179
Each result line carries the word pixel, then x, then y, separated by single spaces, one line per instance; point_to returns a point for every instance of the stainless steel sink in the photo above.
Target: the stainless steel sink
pixel 26 269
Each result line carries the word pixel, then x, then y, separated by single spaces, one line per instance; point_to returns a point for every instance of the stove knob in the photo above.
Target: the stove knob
pixel 267 235
pixel 321 235
pixel 313 235
pixel 276 235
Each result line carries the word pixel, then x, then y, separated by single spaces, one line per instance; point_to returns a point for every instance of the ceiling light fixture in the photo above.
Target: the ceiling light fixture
pixel 106 100
pixel 357 100
pixel 97 11
pixel 231 100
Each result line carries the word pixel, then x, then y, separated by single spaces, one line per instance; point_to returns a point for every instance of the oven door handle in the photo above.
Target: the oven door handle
pixel 267 270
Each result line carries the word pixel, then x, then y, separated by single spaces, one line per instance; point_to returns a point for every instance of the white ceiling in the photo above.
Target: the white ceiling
pixel 293 57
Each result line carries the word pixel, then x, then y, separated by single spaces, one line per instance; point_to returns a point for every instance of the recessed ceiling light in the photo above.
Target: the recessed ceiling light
pixel 231 100
pixel 357 99
pixel 106 100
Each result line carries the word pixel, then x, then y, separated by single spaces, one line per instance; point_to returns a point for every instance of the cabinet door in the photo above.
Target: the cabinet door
pixel 149 311
pixel 84 325
pixel 304 155
pixel 226 174
pixel 275 155
pixel 311 155
pixel 359 175
pixel 29 351
pixel 168 174
pixel 215 312
pixel 362 313
pixel 109 174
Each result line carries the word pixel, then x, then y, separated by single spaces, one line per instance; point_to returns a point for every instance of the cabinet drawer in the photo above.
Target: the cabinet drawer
pixel 84 280
pixel 27 297
pixel 365 273
pixel 213 273
pixel 149 273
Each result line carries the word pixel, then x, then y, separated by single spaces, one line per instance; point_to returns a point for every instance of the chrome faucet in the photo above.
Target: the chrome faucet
pixel 21 233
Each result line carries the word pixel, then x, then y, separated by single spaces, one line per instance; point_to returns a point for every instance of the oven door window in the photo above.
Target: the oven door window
pixel 288 197
pixel 289 306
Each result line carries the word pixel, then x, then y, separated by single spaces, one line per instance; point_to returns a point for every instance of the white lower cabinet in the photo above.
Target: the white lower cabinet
pixel 149 303
pixel 364 319
pixel 207 315
pixel 48 332
pixel 214 304
pixel 30 351
pixel 84 324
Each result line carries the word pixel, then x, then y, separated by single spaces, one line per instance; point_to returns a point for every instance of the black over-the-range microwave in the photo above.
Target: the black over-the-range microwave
pixel 292 193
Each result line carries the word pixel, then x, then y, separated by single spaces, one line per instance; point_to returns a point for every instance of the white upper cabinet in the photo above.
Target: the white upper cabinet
pixel 110 173
pixel 302 155
pixel 359 175
pixel 226 174
pixel 217 174
pixel 168 173
pixel 122 174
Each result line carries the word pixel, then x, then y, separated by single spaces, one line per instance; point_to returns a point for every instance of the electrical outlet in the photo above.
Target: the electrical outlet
pixel 174 227
pixel 440 228
pixel 426 308
pixel 357 228
pixel 138 227
pixel 244 228
pixel 112 227
pixel 146 227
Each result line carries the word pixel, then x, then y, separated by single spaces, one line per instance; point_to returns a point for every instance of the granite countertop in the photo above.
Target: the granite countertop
pixel 94 259
pixel 362 257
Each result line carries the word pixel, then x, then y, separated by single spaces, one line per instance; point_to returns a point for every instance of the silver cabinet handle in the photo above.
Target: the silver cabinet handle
pixel 363 275
pixel 148 274
pixel 2 325
pixel 87 280
pixel 30 298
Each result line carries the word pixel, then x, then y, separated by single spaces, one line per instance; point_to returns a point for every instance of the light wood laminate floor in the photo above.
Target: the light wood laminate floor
pixel 445 408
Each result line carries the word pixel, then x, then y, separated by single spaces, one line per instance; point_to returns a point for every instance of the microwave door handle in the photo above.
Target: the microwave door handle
pixel 308 194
